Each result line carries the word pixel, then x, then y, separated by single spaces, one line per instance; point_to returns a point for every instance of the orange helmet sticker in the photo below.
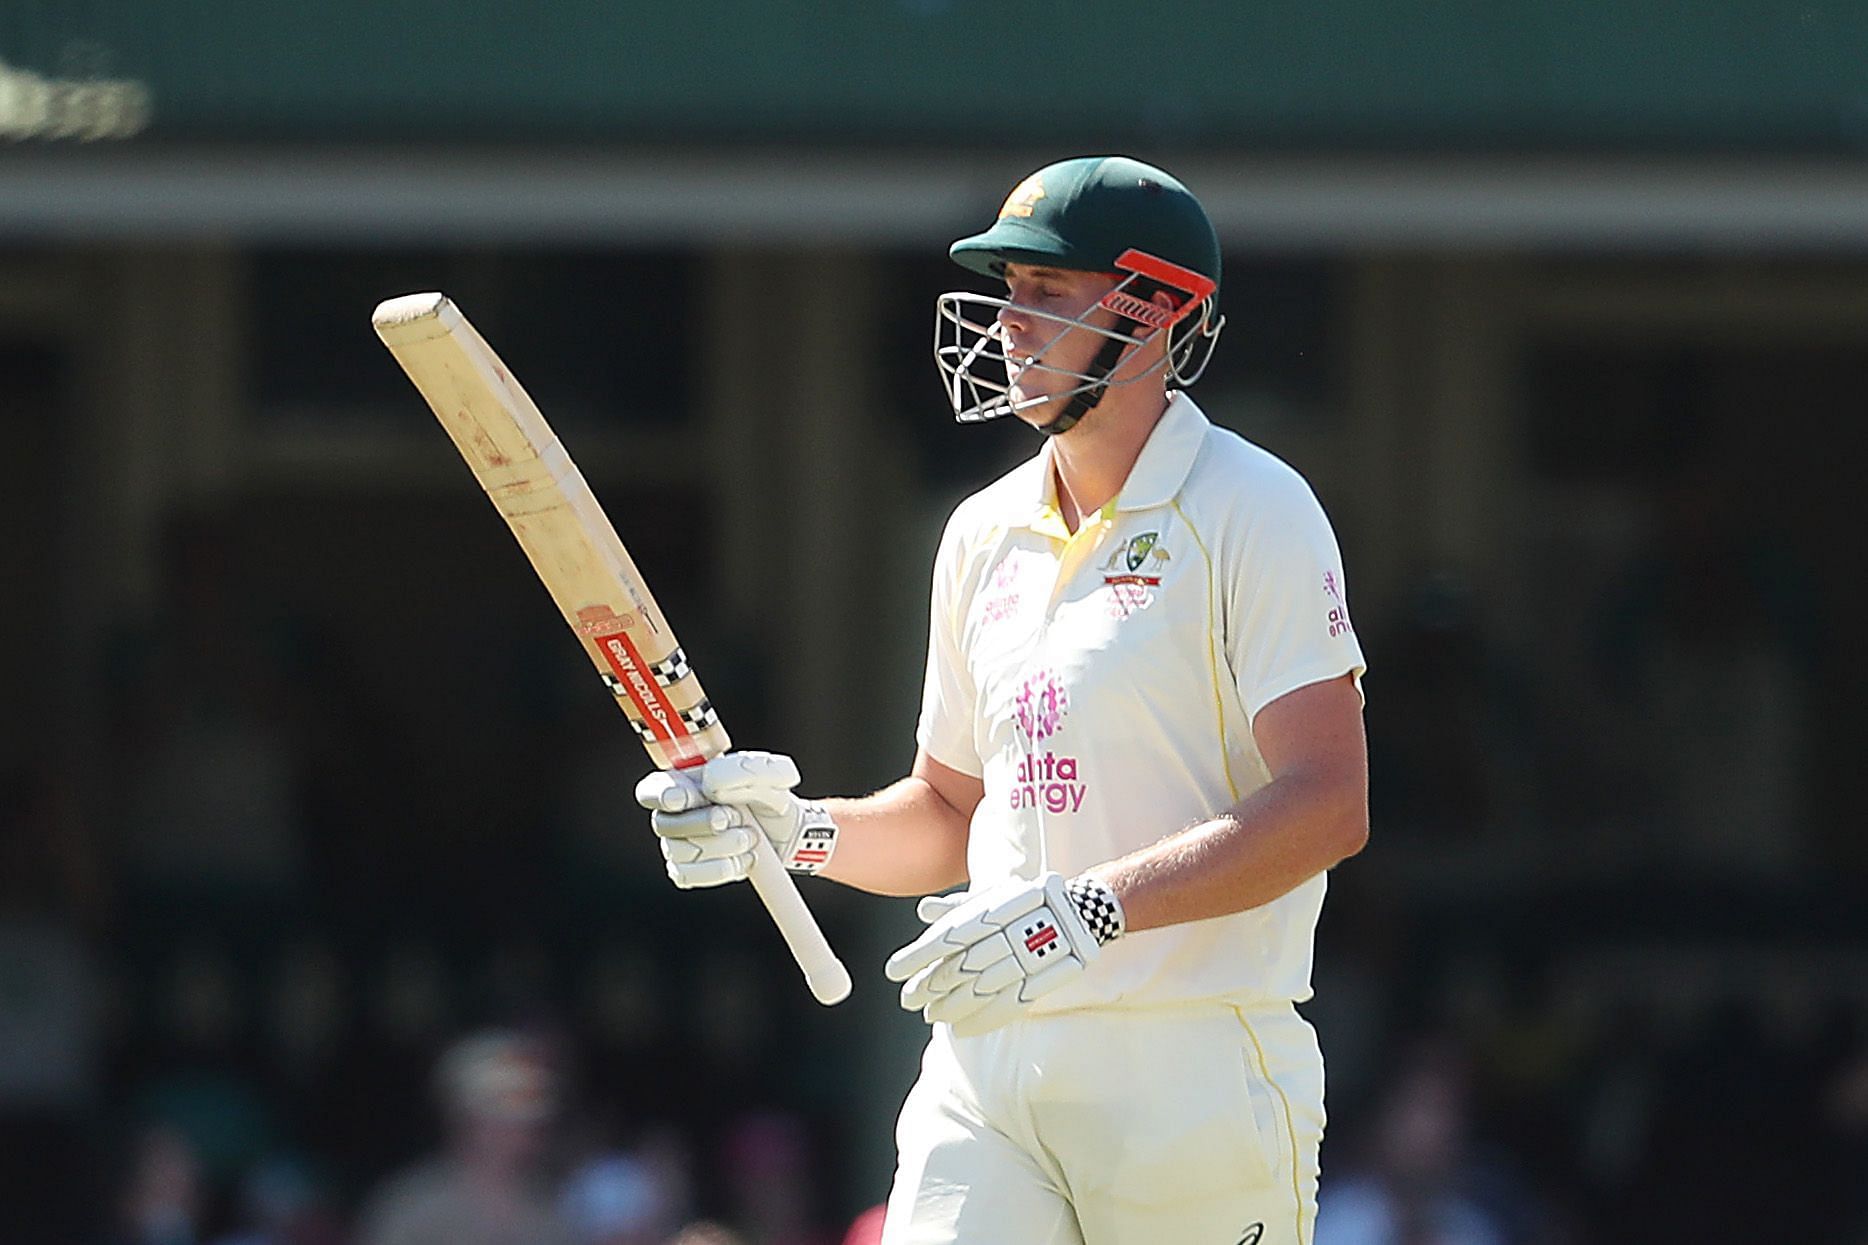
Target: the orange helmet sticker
pixel 1143 264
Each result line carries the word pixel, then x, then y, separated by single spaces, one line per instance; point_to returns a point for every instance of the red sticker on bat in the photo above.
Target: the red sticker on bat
pixel 632 675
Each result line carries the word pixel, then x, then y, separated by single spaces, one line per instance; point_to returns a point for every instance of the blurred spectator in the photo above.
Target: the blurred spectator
pixel 1418 1186
pixel 487 1187
pixel 621 1195
pixel 281 1203
pixel 772 1177
pixel 866 1229
pixel 707 1232
pixel 162 1198
pixel 199 1076
pixel 614 1199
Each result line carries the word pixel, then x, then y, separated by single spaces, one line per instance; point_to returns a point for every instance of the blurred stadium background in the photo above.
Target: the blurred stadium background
pixel 1563 308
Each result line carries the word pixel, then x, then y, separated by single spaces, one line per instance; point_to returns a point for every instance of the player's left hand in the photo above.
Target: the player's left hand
pixel 984 956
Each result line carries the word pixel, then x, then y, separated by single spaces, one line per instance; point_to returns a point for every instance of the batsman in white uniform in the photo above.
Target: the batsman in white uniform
pixel 1140 750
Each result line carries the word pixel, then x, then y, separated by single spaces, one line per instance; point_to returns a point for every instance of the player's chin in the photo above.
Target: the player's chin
pixel 1042 408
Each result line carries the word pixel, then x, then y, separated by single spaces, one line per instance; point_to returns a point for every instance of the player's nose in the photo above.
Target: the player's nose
pixel 1015 325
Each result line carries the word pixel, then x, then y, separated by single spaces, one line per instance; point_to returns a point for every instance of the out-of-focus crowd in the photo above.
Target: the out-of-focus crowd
pixel 511 1167
pixel 292 894
pixel 1534 1125
pixel 1707 1139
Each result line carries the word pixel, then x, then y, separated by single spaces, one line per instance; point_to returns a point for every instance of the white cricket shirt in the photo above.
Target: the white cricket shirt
pixel 1103 685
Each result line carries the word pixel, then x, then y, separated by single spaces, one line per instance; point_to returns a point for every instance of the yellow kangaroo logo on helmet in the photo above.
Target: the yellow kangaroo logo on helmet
pixel 1023 199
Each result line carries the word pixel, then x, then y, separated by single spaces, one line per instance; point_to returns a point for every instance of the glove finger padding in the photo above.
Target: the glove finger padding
pixel 669 792
pixel 761 780
pixel 922 988
pixel 728 845
pixel 694 875
pixel 989 994
pixel 1005 1005
pixel 959 921
pixel 968 967
pixel 931 947
pixel 699 823
pixel 984 956
pixel 916 963
pixel 933 907
pixel 967 981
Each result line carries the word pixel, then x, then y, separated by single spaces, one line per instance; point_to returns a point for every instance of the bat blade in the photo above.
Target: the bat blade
pixel 535 486
pixel 546 502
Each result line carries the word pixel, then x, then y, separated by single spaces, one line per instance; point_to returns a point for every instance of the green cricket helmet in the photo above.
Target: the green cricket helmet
pixel 1106 214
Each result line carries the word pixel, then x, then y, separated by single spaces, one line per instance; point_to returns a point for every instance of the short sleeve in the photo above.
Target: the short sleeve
pixel 1288 622
pixel 948 697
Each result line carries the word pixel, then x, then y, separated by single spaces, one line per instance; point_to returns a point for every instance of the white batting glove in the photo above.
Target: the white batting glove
pixel 985 956
pixel 707 817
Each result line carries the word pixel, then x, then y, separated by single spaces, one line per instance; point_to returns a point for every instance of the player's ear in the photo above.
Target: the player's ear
pixel 1169 301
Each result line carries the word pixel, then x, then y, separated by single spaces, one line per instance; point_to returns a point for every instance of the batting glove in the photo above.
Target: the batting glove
pixel 985 956
pixel 707 817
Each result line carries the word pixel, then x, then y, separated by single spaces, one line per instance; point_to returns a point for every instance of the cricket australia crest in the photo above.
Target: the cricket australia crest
pixel 1133 571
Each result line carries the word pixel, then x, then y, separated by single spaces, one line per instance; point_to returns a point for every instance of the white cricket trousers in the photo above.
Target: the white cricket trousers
pixel 1198 1125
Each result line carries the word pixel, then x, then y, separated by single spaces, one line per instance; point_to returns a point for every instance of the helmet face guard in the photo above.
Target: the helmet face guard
pixel 979 376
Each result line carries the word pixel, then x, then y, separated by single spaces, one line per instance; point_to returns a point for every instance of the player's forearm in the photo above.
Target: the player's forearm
pixel 1274 840
pixel 903 840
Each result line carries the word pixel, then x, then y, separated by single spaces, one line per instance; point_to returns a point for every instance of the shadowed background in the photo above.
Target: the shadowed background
pixel 1562 309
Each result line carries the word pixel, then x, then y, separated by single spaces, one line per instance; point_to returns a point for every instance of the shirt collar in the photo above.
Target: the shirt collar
pixel 1167 458
pixel 1155 479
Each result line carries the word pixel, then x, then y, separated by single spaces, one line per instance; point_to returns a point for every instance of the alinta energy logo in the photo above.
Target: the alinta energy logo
pixel 1045 779
pixel 1339 608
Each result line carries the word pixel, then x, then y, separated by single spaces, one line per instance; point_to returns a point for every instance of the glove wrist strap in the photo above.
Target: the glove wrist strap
pixel 1099 907
pixel 816 840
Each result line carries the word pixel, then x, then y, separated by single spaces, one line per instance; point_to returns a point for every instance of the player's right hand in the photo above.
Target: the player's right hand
pixel 707 816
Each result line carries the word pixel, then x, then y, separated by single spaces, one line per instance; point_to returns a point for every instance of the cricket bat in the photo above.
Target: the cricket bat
pixel 576 552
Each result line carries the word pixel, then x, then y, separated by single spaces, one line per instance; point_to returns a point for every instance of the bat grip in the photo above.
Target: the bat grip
pixel 823 971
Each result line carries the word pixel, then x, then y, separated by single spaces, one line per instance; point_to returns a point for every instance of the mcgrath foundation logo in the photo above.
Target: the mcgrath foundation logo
pixel 1004 598
pixel 1040 706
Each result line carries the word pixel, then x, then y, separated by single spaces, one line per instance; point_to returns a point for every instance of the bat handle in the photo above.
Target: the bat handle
pixel 823 971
